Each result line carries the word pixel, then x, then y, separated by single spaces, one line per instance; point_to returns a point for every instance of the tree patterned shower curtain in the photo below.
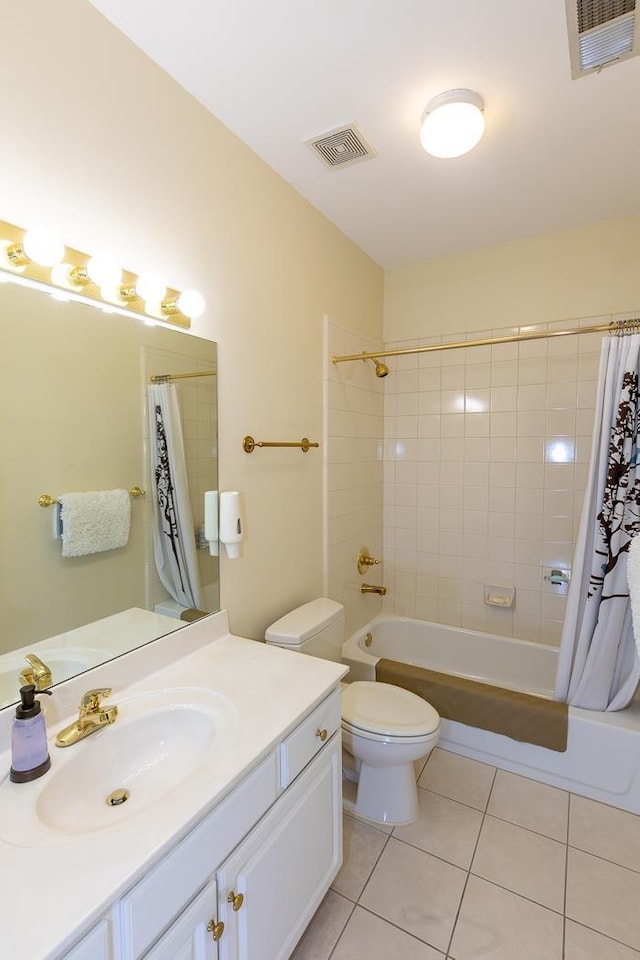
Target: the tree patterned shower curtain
pixel 598 667
pixel 173 531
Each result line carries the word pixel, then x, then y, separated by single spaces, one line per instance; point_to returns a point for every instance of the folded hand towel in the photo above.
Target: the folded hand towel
pixel 633 578
pixel 94 521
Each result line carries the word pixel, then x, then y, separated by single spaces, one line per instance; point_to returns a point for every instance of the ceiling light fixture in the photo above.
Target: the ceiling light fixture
pixel 452 124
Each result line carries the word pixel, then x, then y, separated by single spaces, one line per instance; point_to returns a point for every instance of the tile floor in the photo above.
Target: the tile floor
pixel 497 867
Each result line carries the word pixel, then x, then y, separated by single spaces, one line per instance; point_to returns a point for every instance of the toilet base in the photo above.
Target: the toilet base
pixel 377 791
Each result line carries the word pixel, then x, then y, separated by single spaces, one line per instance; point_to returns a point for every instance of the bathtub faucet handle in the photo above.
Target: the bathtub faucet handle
pixel 365 560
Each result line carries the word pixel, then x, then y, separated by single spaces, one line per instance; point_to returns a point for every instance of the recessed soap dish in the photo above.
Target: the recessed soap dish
pixel 499 596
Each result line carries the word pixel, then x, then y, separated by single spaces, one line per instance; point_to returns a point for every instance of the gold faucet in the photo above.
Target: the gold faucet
pixel 37 673
pixel 370 588
pixel 93 716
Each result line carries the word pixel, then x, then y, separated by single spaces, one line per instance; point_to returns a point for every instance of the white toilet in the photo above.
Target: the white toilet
pixel 385 729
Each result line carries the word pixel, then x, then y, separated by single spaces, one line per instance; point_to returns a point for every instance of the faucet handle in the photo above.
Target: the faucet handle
pixel 37 673
pixel 91 700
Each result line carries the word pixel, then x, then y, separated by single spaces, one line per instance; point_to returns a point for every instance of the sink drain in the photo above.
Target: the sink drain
pixel 117 798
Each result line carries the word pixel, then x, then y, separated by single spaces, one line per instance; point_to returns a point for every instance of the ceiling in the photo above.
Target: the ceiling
pixel 557 152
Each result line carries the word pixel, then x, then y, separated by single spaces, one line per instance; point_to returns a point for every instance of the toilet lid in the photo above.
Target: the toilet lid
pixel 386 709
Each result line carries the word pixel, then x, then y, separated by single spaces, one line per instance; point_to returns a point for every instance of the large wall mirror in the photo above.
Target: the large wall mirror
pixel 74 418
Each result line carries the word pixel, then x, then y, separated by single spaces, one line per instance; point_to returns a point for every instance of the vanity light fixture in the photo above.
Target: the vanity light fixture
pixel 452 124
pixel 37 257
pixel 38 245
pixel 190 303
pixel 148 287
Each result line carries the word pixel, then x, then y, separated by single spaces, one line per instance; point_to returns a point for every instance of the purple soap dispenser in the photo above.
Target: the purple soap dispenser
pixel 29 751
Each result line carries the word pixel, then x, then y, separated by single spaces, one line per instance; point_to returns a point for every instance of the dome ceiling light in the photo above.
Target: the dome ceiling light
pixel 452 124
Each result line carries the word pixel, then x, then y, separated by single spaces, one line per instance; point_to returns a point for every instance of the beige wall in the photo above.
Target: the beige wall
pixel 104 146
pixel 584 272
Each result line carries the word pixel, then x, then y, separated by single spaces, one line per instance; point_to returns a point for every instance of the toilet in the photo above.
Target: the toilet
pixel 385 729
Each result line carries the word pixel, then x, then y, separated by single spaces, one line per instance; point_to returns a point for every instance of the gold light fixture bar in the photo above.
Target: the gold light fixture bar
pixel 165 377
pixel 77 283
pixel 616 327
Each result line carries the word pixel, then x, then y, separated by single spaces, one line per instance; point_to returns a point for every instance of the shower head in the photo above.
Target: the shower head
pixel 382 370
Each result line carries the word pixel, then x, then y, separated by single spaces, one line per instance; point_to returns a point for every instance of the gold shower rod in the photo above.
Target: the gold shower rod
pixel 46 500
pixel 249 444
pixel 164 377
pixel 617 327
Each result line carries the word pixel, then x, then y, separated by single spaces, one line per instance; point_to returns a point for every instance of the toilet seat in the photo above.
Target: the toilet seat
pixel 382 711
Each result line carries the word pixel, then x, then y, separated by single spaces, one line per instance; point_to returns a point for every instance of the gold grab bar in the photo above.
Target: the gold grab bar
pixel 249 444
pixel 45 500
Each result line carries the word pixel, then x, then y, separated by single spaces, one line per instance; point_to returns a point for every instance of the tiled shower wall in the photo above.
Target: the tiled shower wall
pixel 353 429
pixel 485 462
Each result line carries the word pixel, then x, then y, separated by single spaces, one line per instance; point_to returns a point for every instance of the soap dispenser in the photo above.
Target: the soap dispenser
pixel 29 751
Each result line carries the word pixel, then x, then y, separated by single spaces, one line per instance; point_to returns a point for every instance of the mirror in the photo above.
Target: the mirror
pixel 74 418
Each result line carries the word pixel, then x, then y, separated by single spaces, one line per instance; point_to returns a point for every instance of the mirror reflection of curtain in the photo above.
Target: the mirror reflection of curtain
pixel 173 534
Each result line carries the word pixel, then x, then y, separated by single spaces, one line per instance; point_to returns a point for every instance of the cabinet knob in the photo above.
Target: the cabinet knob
pixel 215 929
pixel 236 899
pixel 323 734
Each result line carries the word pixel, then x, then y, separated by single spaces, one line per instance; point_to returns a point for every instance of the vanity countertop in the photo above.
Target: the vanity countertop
pixel 52 891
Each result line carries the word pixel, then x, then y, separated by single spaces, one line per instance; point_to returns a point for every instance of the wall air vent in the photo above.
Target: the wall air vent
pixel 601 32
pixel 342 147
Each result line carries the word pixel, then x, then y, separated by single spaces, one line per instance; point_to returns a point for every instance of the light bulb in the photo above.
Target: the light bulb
pixel 43 246
pixel 452 124
pixel 104 272
pixel 150 287
pixel 191 304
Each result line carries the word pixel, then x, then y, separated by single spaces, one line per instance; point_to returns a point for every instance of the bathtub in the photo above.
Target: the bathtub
pixel 602 760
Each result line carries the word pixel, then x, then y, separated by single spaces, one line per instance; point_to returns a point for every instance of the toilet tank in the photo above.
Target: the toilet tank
pixel 315 628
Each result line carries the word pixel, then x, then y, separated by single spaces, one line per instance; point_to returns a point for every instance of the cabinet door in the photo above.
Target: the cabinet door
pixel 189 937
pixel 283 869
pixel 94 946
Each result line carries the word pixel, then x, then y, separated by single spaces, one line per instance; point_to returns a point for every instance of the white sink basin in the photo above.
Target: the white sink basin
pixel 158 742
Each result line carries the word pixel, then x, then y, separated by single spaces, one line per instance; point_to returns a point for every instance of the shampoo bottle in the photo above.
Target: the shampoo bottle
pixel 29 751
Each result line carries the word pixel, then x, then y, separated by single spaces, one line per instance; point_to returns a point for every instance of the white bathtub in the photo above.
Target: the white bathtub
pixel 602 760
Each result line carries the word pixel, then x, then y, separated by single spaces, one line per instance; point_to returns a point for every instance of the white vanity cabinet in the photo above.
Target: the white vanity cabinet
pixel 95 945
pixel 245 882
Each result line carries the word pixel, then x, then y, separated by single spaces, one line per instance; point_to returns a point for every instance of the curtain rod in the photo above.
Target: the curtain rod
pixel 616 327
pixel 164 377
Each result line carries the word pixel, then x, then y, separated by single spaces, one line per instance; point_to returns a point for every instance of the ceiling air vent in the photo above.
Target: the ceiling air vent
pixel 601 32
pixel 342 147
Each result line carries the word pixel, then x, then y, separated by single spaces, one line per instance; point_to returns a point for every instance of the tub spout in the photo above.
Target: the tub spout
pixel 370 588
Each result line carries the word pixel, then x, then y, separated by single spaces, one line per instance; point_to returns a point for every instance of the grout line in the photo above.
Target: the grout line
pixel 345 925
pixel 466 882
pixel 401 929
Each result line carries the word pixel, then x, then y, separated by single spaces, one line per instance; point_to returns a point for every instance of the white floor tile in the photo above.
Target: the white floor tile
pixel 367 937
pixel 458 778
pixel 583 944
pixel 522 861
pixel 444 827
pixel 325 928
pixel 362 845
pixel 497 925
pixel 604 896
pixel 535 806
pixel 415 891
pixel 605 832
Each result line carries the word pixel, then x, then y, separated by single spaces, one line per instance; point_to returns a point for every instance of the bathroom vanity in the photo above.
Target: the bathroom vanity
pixel 224 849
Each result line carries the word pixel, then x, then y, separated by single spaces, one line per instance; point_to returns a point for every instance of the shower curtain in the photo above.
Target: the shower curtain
pixel 598 666
pixel 173 530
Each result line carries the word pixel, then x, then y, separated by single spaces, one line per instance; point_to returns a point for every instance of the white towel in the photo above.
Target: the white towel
pixel 94 521
pixel 633 578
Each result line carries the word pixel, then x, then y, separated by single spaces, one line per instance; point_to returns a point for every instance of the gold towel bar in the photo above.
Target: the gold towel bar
pixel 249 444
pixel 45 500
